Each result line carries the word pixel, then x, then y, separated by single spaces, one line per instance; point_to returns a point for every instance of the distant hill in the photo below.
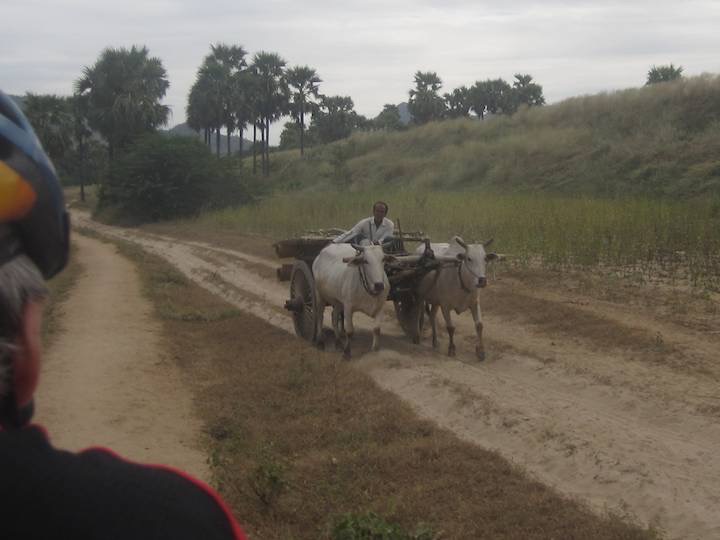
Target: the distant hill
pixel 661 140
pixel 183 130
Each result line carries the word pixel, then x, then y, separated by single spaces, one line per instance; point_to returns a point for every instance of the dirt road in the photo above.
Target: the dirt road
pixel 105 381
pixel 615 404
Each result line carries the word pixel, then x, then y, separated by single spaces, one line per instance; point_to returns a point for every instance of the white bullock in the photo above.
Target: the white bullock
pixel 351 278
pixel 456 287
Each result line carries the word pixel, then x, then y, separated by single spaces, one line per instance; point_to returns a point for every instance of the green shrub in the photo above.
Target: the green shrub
pixel 169 177
pixel 370 526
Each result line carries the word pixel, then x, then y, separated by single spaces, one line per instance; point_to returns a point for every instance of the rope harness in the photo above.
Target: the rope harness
pixel 462 283
pixel 471 273
pixel 460 278
pixel 364 280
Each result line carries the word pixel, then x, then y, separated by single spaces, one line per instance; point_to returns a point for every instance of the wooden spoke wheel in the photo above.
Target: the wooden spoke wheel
pixel 409 312
pixel 303 301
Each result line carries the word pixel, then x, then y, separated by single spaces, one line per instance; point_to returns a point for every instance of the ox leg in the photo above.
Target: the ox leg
pixel 433 324
pixel 480 346
pixel 450 330
pixel 349 331
pixel 376 330
pixel 336 313
pixel 319 321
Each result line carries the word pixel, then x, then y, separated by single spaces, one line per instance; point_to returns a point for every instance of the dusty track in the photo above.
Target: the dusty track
pixel 103 377
pixel 605 402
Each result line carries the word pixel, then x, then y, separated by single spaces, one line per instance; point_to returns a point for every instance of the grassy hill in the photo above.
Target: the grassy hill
pixel 658 141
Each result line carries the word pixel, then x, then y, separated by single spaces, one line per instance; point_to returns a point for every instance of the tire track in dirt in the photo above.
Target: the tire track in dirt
pixel 619 433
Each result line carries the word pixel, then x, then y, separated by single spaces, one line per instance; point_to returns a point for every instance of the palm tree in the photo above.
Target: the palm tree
pixel 425 104
pixel 206 107
pixel 525 92
pixel 273 99
pixel 250 108
pixel 198 111
pixel 53 122
pixel 213 99
pixel 230 61
pixel 658 74
pixel 123 90
pixel 458 102
pixel 304 81
pixel 245 100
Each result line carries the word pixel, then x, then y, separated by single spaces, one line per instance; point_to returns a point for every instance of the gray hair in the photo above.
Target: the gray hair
pixel 20 281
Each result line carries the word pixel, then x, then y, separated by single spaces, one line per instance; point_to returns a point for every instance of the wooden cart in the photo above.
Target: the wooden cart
pixel 404 276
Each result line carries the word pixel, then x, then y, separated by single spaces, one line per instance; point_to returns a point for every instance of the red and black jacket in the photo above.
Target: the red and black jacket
pixel 94 494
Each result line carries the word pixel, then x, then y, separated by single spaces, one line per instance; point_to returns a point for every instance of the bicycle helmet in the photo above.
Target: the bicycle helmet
pixel 33 220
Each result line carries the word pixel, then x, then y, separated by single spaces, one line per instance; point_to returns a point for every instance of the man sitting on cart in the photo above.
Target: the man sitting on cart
pixel 375 229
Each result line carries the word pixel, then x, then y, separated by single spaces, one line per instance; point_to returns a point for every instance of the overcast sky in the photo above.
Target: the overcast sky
pixel 368 49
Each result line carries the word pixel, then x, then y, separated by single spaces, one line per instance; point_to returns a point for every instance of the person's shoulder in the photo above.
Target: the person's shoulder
pixel 388 222
pixel 118 498
pixel 363 221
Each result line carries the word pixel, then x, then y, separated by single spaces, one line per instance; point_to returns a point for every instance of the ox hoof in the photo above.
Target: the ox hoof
pixel 451 352
pixel 320 345
pixel 480 355
pixel 346 355
pixel 416 340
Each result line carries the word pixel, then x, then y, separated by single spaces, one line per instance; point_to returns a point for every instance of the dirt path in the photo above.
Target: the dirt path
pixel 602 401
pixel 105 381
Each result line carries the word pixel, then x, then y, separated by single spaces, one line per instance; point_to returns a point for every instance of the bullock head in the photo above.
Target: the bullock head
pixel 372 259
pixel 475 259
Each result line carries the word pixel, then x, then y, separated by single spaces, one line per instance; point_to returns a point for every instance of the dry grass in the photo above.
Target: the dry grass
pixel 299 439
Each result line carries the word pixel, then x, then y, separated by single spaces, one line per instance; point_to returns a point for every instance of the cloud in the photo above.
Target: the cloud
pixel 369 49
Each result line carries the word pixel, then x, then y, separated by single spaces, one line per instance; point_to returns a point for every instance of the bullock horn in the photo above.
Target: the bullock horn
pixel 487 244
pixel 461 242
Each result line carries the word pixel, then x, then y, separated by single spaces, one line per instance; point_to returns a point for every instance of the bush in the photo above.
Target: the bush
pixel 170 177
pixel 370 526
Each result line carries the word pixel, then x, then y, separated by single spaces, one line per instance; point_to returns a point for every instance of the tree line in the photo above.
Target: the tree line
pixel 117 100
pixel 494 96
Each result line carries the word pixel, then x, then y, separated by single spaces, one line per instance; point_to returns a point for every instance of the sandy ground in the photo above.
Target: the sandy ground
pixel 105 380
pixel 593 410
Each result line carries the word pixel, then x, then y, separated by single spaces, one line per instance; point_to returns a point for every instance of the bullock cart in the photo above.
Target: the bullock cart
pixel 404 273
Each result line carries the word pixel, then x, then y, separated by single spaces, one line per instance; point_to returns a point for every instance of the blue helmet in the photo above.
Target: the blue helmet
pixel 33 219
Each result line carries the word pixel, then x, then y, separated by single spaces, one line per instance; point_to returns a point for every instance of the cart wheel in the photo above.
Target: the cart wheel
pixel 409 312
pixel 302 297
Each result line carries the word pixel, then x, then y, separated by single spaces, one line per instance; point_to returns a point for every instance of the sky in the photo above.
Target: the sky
pixel 368 49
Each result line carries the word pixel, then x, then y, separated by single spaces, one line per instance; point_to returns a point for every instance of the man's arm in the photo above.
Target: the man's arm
pixel 357 229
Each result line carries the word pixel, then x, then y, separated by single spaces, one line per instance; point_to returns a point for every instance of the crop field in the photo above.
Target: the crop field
pixel 641 239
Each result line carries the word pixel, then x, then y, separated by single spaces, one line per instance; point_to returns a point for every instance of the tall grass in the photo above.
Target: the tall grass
pixel 642 237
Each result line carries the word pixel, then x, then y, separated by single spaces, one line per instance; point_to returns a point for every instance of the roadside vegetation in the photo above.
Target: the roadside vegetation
pixel 304 446
pixel 637 238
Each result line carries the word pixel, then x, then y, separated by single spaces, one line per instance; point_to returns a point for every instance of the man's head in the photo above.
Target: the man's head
pixel 380 210
pixel 34 245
